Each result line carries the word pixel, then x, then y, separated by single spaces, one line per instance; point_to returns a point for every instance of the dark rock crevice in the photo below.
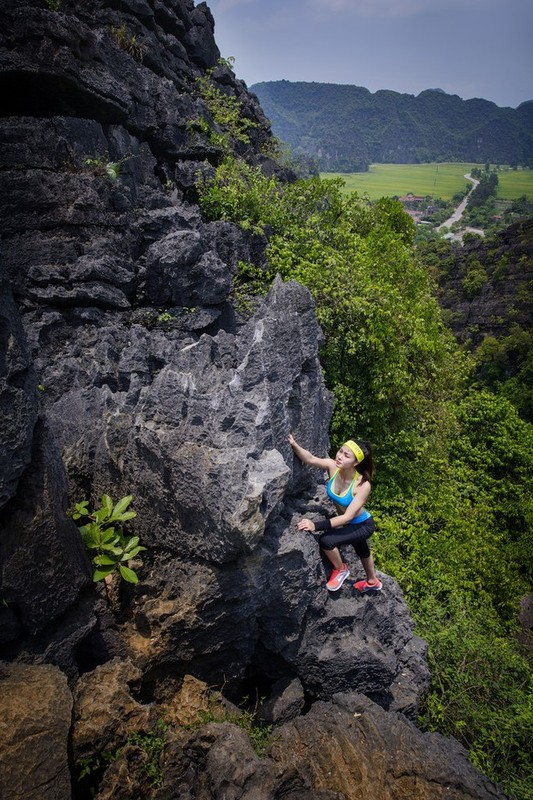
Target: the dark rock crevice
pixel 47 96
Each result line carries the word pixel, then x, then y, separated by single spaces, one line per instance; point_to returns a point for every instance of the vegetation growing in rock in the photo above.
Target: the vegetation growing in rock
pixel 104 535
pixel 453 495
pixel 103 166
pixel 230 126
pixel 260 734
pixel 93 767
pixel 152 743
pixel 130 43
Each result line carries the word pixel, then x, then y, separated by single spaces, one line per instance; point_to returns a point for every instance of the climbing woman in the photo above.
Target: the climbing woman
pixel 349 485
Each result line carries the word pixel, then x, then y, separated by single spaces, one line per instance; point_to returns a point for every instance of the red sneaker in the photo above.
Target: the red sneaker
pixel 337 578
pixel 365 586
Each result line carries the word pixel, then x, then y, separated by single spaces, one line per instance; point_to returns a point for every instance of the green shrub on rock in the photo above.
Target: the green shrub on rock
pixel 104 535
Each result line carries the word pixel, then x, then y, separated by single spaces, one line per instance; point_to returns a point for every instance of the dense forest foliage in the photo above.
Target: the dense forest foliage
pixel 346 128
pixel 453 491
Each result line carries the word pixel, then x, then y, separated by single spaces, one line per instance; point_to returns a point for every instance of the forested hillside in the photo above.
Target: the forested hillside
pixel 346 128
pixel 484 289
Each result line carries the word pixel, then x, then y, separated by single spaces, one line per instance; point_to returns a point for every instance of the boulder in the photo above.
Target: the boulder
pixel 219 761
pixel 35 716
pixel 356 749
pixel 337 642
pixel 339 750
pixel 192 699
pixel 285 702
pixel 105 711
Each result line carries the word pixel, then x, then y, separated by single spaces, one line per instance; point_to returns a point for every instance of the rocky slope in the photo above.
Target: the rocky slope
pixel 125 368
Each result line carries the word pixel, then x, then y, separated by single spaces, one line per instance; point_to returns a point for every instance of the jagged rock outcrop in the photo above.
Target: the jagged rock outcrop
pixel 105 712
pixel 44 565
pixel 79 249
pixel 287 701
pixel 152 382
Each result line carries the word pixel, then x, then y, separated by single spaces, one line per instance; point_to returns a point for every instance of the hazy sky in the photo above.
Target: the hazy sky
pixel 473 48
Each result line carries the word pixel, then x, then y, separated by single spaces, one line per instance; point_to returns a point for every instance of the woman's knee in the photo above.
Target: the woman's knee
pixel 327 542
pixel 362 549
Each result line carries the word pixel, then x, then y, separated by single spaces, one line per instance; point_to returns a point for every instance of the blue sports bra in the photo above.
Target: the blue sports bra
pixel 346 498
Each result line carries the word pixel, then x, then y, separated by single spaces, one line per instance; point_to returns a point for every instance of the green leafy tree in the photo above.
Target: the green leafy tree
pixel 487 187
pixel 474 279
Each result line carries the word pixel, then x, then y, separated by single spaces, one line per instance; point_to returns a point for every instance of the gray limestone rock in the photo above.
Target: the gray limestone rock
pixel 180 272
pixel 83 636
pixel 357 749
pixel 219 761
pixel 339 641
pixel 340 750
pixel 198 422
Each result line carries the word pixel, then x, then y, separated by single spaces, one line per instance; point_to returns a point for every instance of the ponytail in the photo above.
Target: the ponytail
pixel 366 467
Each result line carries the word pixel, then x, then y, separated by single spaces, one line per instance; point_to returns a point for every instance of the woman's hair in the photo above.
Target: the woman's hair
pixel 366 467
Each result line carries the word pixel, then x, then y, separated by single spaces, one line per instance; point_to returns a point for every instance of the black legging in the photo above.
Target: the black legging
pixel 356 534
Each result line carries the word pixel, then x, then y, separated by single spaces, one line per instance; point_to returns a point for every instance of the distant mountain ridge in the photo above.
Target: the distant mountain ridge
pixel 346 128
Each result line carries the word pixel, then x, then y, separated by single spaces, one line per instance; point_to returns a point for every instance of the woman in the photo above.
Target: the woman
pixel 349 486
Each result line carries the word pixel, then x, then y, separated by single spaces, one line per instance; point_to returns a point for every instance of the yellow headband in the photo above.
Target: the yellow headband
pixel 356 450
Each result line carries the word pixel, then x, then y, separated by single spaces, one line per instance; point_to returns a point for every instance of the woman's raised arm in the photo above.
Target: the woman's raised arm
pixel 308 458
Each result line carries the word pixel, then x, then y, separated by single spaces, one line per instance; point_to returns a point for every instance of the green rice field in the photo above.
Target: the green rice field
pixel 515 183
pixel 437 180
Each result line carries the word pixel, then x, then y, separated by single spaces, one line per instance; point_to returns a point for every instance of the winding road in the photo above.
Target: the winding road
pixel 458 213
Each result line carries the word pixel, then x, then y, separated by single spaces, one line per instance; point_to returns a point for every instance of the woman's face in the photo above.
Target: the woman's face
pixel 344 458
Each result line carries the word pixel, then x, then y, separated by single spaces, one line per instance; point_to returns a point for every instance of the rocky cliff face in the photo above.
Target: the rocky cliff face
pixel 125 368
